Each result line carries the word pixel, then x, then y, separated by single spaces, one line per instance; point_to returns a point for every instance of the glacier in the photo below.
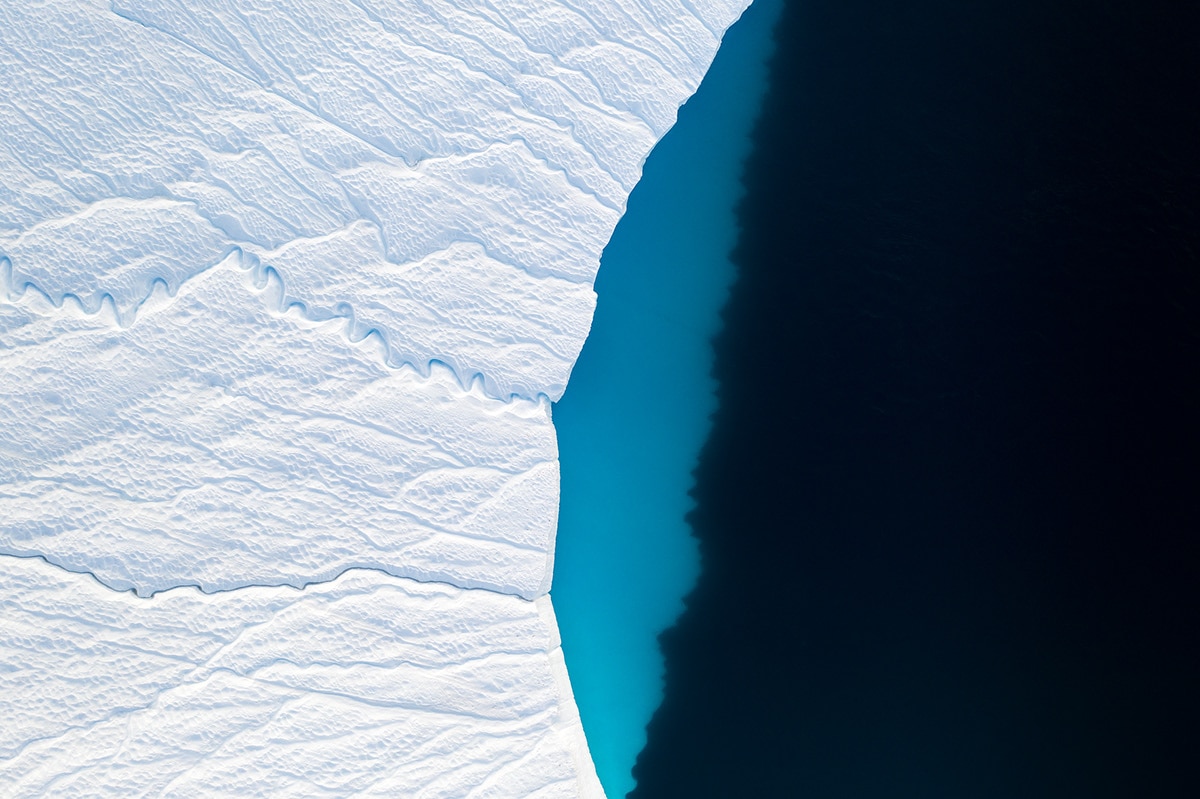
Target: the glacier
pixel 285 295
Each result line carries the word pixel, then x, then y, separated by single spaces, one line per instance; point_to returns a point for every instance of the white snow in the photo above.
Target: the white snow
pixel 148 139
pixel 219 443
pixel 364 686
pixel 285 293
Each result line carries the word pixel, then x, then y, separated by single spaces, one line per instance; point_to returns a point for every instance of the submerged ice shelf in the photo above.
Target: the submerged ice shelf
pixel 284 297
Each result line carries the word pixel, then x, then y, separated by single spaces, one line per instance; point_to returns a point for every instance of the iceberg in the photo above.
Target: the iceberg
pixel 285 295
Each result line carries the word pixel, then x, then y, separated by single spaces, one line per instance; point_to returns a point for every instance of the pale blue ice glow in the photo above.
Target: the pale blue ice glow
pixel 637 408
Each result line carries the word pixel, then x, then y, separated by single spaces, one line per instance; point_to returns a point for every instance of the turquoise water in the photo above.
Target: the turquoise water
pixel 632 422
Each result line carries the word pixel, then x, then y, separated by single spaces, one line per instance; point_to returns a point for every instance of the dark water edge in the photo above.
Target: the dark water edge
pixel 949 511
pixel 631 424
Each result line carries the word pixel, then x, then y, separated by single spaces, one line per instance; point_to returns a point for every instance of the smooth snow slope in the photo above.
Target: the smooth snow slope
pixel 286 291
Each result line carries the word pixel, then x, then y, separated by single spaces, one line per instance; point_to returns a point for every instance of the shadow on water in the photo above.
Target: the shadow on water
pixel 948 513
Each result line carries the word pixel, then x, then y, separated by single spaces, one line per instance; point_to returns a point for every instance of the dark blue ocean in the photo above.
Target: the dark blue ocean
pixel 636 413
pixel 946 513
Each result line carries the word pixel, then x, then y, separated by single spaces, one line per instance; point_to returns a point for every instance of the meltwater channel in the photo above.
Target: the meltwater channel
pixel 636 413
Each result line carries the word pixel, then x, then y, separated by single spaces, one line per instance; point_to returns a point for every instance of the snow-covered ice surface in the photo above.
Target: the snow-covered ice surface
pixel 380 155
pixel 285 291
pixel 364 686
pixel 217 443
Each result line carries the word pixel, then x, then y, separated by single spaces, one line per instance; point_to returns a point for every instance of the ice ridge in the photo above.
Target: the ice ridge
pixel 285 296
pixel 427 328
pixel 264 448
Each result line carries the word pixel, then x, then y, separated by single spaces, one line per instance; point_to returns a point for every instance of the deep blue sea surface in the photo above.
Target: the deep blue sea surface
pixel 947 513
pixel 636 414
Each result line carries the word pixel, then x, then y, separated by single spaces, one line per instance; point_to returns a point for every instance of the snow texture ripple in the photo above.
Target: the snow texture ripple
pixel 285 294
pixel 366 686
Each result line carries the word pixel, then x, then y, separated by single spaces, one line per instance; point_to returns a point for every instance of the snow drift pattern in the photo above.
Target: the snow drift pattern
pixel 358 687
pixel 285 293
